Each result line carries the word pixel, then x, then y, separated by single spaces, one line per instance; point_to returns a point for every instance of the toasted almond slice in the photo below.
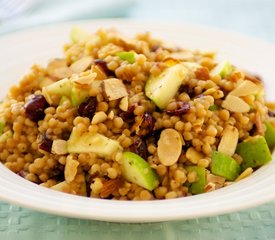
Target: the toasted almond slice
pixel 215 179
pixel 193 156
pixel 61 187
pixel 84 80
pixel 70 169
pixel 111 115
pixel 99 117
pixel 246 88
pixel 247 172
pixel 235 104
pixel 82 64
pixel 59 147
pixel 57 68
pixel 229 140
pixel 114 89
pixel 169 147
pixel 47 95
pixel 183 56
pixel 123 105
pixel 101 75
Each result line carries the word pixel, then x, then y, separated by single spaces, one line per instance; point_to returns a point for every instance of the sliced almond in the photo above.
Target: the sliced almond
pixel 47 96
pixel 59 147
pixel 183 56
pixel 123 105
pixel 246 88
pixel 57 68
pixel 84 80
pixel 99 117
pixel 215 179
pixel 193 156
pixel 247 172
pixel 114 89
pixel 169 147
pixel 82 64
pixel 101 75
pixel 111 115
pixel 110 187
pixel 70 169
pixel 259 123
pixel 62 187
pixel 235 104
pixel 229 140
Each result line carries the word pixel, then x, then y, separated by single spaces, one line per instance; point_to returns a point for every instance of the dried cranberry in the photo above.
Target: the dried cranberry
pixel 156 134
pixel 147 124
pixel 271 113
pixel 103 65
pixel 186 89
pixel 139 147
pixel 35 107
pixel 88 108
pixel 129 115
pixel 22 173
pixel 184 107
pixel 46 143
pixel 155 47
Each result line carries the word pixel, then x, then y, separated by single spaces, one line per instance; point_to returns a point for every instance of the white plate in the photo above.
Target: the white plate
pixel 20 50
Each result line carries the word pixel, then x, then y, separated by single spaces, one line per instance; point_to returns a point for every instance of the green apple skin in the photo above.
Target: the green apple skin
pixel 198 186
pixel 270 135
pixel 136 170
pixel 223 69
pixel 92 142
pixel 78 95
pixel 161 89
pixel 224 166
pixel 254 152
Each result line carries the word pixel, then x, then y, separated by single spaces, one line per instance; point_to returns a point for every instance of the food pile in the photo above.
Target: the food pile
pixel 135 119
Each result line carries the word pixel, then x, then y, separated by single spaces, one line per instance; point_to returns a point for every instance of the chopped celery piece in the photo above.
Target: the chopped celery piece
pixel 223 69
pixel 127 56
pixel 254 152
pixel 198 186
pixel 224 166
pixel 5 136
pixel 270 135
pixel 136 170
pixel 213 107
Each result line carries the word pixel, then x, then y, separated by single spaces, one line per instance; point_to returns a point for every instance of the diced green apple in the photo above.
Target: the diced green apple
pixel 198 186
pixel 127 56
pixel 270 135
pixel 225 166
pixel 63 99
pixel 60 88
pixel 161 89
pixel 79 34
pixel 136 170
pixel 92 142
pixel 223 69
pixel 254 152
pixel 78 95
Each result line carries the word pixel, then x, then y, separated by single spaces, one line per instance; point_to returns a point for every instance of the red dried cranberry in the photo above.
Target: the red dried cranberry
pixel 46 143
pixel 184 107
pixel 139 147
pixel 34 108
pixel 129 115
pixel 147 125
pixel 103 65
pixel 88 108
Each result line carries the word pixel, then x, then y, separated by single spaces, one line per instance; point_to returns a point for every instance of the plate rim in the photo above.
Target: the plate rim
pixel 133 214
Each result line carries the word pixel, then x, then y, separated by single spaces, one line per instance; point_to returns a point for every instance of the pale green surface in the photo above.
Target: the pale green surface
pixel 253 17
pixel 23 224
